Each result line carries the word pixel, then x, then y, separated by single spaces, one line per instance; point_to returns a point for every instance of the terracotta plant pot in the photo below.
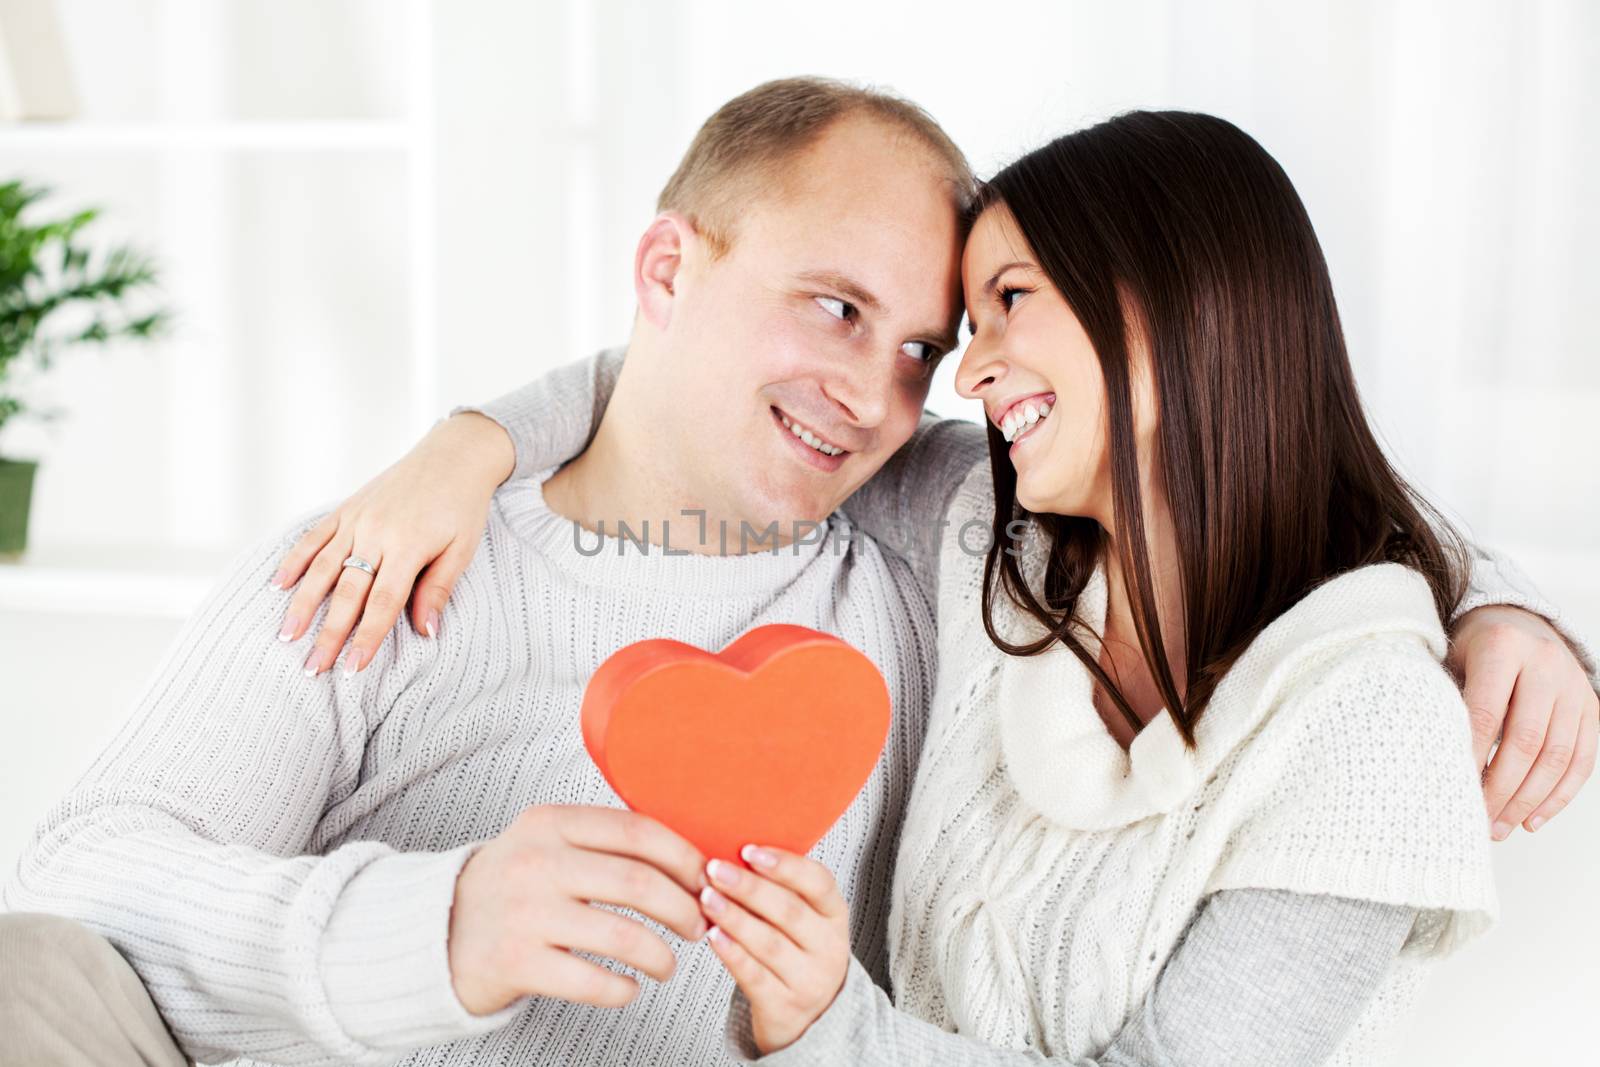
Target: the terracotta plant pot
pixel 16 492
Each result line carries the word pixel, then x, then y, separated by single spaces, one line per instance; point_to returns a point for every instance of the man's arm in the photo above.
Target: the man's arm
pixel 185 845
pixel 426 513
pixel 1496 581
pixel 553 418
pixel 1530 681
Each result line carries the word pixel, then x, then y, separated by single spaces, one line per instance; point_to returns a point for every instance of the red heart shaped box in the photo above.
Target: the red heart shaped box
pixel 765 742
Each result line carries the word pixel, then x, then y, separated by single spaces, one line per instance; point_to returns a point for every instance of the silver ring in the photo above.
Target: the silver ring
pixel 361 565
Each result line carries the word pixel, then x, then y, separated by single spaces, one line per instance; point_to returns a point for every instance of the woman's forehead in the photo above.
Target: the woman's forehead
pixel 994 239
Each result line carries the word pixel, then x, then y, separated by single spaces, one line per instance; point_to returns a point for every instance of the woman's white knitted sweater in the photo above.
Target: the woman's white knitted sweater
pixel 1045 874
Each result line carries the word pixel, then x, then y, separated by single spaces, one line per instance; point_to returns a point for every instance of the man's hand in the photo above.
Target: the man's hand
pixel 1524 685
pixel 524 905
pixel 418 523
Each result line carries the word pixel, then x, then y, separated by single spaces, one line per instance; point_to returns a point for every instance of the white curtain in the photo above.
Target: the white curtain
pixel 1449 154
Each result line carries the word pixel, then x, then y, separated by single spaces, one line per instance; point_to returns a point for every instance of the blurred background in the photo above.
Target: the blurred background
pixel 366 211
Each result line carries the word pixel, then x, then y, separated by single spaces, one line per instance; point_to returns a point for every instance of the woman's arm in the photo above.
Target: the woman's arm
pixel 554 417
pixel 420 521
pixel 1264 977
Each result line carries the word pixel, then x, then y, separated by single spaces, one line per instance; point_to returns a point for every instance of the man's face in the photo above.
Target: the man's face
pixel 802 356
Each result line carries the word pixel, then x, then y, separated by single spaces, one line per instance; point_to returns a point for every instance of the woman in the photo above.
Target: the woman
pixel 1181 809
pixel 1188 804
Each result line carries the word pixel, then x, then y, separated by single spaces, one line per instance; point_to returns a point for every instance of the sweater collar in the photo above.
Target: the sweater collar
pixel 1065 763
pixel 609 561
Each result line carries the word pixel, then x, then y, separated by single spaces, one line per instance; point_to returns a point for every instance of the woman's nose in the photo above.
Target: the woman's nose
pixel 979 371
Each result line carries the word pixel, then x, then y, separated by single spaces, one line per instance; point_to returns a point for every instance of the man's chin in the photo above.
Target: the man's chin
pixel 795 511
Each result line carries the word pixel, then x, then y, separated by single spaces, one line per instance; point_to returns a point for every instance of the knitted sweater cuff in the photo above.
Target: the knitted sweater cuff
pixel 827 1039
pixel 1456 901
pixel 385 955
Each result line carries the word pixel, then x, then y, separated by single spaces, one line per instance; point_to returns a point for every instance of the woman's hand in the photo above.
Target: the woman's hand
pixel 418 523
pixel 1524 685
pixel 783 931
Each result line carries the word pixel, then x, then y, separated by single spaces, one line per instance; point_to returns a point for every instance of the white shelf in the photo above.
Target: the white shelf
pixel 321 135
pixel 158 584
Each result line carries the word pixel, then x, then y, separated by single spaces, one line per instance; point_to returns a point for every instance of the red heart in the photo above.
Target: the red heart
pixel 766 742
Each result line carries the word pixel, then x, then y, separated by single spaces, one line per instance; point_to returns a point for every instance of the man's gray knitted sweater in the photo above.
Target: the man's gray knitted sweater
pixel 276 855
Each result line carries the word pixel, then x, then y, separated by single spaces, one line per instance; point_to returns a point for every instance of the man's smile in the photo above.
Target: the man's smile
pixel 817 451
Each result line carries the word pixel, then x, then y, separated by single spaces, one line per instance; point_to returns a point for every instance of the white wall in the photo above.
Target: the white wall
pixel 445 201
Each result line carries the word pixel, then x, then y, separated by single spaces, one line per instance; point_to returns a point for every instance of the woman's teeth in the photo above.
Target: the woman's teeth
pixel 1020 418
pixel 809 438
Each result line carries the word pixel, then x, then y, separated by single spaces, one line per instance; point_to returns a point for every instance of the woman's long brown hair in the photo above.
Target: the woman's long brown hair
pixel 1274 480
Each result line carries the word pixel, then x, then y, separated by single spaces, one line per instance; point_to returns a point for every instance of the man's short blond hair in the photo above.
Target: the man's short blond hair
pixel 739 153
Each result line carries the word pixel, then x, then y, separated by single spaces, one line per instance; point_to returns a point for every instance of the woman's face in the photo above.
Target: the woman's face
pixel 1033 367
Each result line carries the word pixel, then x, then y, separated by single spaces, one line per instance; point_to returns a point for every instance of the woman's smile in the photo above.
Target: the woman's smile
pixel 1018 418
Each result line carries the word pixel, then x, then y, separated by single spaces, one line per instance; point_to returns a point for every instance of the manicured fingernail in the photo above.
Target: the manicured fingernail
pixel 715 934
pixel 722 873
pixel 431 625
pixel 1535 822
pixel 352 662
pixel 1501 830
pixel 289 627
pixel 714 902
pixel 315 662
pixel 759 857
pixel 278 579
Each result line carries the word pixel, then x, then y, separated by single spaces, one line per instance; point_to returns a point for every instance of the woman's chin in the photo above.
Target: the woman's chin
pixel 1047 502
pixel 1037 503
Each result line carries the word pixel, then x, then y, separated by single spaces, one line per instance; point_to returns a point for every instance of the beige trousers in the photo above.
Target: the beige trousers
pixel 67 997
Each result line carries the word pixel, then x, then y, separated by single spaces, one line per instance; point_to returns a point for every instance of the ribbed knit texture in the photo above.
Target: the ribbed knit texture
pixel 1045 875
pixel 276 854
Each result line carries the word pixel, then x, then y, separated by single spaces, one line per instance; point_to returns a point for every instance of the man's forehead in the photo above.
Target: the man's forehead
pixel 850 240
pixel 864 151
pixel 879 212
pixel 861 175
pixel 896 249
pixel 910 288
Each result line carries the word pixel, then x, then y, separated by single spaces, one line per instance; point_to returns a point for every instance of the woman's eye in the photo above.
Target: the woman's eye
pixel 1008 297
pixel 920 351
pixel 835 307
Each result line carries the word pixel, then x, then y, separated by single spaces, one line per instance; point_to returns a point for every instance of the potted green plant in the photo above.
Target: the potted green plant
pixel 56 292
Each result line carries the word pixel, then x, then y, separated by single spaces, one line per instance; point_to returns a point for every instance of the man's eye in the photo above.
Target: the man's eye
pixel 835 307
pixel 921 351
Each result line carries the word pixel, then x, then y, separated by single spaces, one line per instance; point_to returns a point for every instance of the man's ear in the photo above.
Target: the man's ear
pixel 657 263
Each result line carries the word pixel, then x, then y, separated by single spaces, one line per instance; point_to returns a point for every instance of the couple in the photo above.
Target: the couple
pixel 1200 792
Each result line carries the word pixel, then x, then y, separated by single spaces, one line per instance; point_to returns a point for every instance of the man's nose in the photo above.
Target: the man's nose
pixel 863 390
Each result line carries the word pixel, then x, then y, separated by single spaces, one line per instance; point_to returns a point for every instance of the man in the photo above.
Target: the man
pixel 400 859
